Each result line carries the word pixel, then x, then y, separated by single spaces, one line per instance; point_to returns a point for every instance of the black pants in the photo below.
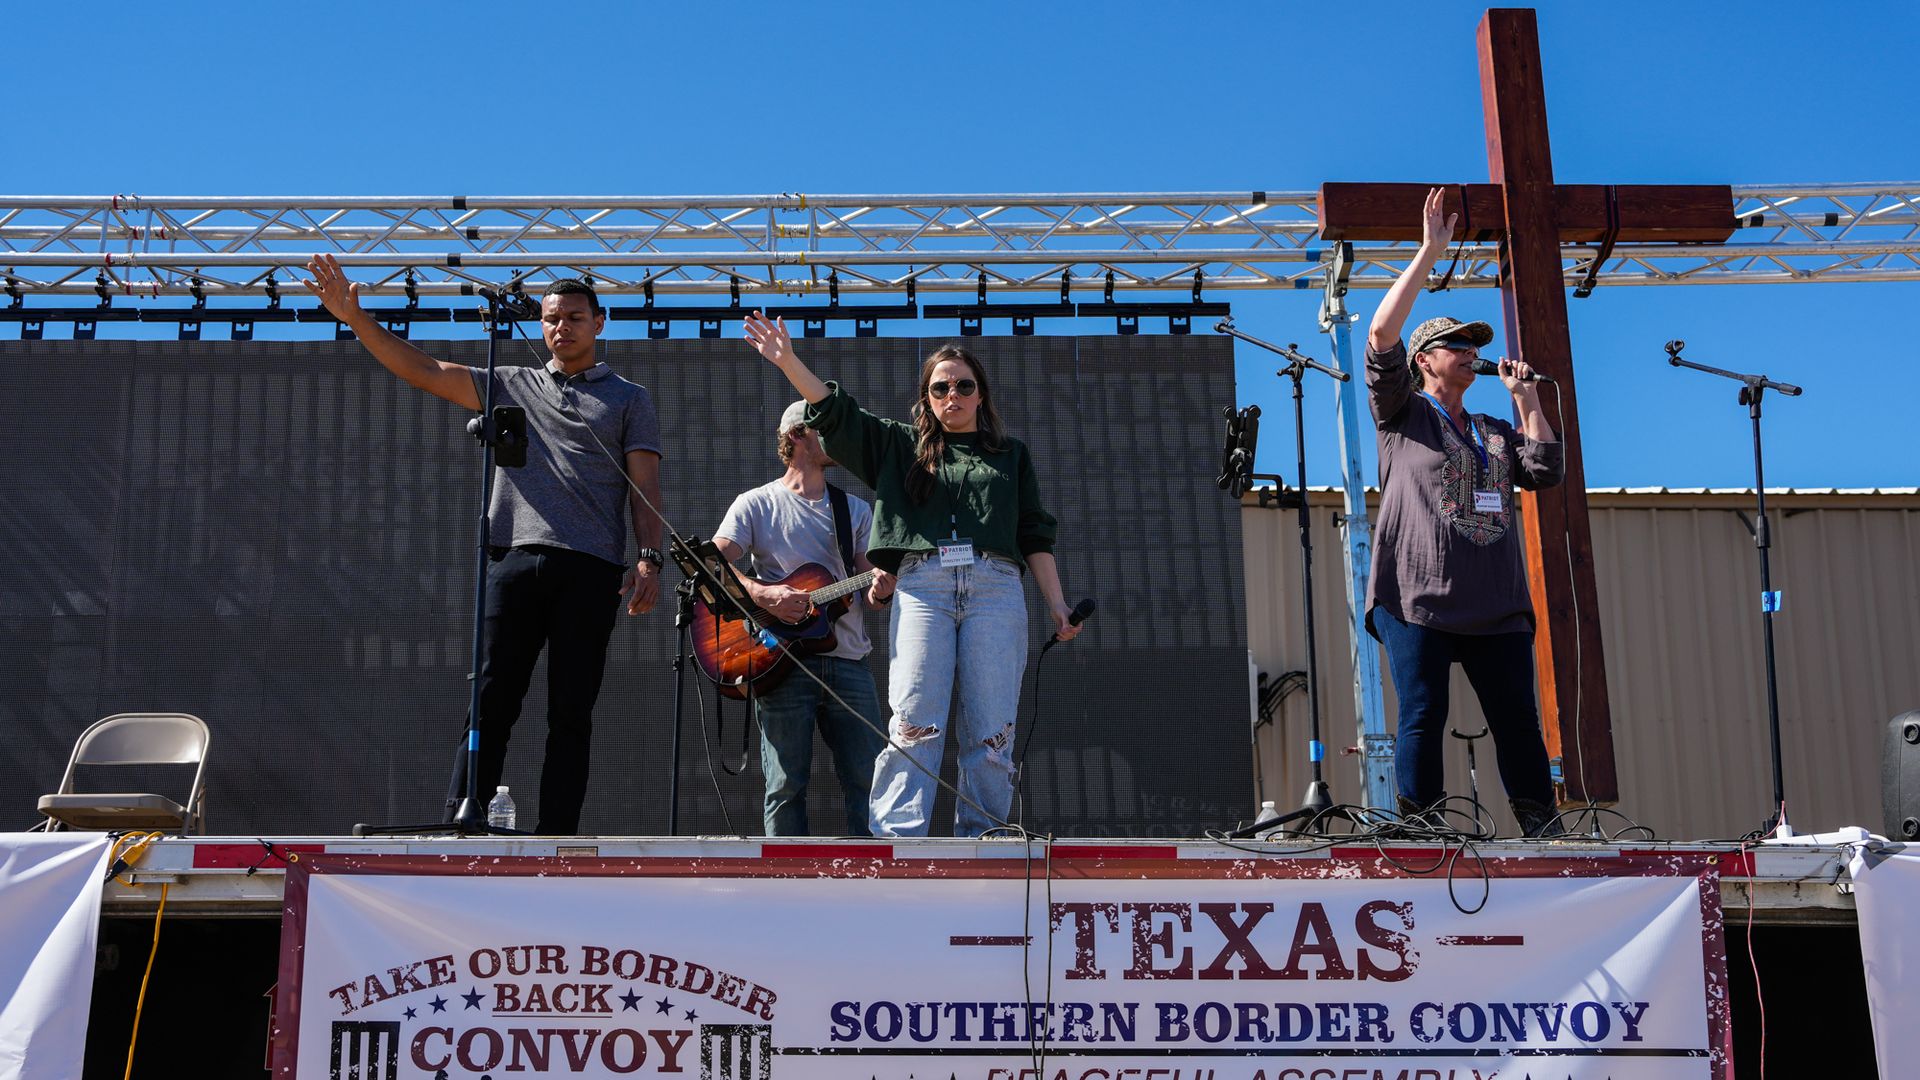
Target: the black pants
pixel 543 596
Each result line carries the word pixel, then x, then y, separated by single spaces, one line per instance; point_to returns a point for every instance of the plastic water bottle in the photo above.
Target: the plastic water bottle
pixel 1267 813
pixel 500 814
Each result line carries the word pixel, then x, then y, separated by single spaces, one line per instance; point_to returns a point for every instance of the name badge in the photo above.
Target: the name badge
pixel 1486 502
pixel 956 553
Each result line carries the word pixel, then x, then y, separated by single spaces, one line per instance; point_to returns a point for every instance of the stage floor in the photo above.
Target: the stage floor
pixel 231 876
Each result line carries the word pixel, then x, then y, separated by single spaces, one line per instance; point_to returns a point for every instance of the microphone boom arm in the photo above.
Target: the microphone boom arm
pixel 1225 326
pixel 1760 381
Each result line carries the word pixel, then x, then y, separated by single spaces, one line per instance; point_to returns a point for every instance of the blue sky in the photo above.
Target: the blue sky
pixel 588 98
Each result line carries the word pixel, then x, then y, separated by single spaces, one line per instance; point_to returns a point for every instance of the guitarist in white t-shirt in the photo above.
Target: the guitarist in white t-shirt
pixel 784 526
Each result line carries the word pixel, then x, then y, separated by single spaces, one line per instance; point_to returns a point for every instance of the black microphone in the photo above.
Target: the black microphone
pixel 1488 367
pixel 513 304
pixel 1079 615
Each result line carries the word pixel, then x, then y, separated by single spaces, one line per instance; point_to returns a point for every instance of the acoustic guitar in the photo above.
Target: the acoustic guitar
pixel 739 654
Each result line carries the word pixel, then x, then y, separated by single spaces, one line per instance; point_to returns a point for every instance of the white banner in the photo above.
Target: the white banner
pixel 1186 969
pixel 50 906
pixel 1886 893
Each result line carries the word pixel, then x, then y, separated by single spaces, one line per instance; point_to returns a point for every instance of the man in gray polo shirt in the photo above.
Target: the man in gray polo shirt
pixel 785 525
pixel 558 526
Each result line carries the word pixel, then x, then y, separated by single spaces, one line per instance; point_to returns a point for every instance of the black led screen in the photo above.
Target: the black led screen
pixel 278 537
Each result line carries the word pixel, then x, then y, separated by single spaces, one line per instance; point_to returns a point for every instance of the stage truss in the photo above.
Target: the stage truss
pixel 129 246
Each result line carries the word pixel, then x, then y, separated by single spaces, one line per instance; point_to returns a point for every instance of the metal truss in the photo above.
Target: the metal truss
pixel 803 245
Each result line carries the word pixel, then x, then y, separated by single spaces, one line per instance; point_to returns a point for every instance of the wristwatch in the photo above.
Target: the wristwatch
pixel 652 555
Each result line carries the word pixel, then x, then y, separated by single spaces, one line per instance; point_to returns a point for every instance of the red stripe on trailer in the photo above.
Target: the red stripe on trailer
pixel 244 856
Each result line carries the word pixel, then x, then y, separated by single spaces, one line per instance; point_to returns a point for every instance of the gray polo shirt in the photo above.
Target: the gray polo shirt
pixel 1438 561
pixel 570 494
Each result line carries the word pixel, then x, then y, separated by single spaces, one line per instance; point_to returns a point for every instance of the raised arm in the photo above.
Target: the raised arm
pixel 453 382
pixel 1436 229
pixel 771 340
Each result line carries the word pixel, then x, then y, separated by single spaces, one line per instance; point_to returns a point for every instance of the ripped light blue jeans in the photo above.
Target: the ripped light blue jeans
pixel 961 628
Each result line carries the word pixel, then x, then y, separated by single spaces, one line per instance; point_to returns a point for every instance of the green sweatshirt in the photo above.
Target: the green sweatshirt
pixel 992 499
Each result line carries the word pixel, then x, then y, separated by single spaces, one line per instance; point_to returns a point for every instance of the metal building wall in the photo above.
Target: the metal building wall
pixel 1679 587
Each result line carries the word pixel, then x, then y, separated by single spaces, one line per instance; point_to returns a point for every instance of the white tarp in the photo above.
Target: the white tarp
pixel 1243 970
pixel 49 923
pixel 1886 894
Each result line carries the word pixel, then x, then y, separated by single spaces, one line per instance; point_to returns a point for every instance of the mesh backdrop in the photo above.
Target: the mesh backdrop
pixel 278 537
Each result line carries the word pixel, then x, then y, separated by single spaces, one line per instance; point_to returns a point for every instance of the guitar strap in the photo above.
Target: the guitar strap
pixel 842 528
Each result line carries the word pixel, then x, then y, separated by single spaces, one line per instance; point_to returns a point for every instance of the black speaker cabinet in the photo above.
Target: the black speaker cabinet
pixel 1900 777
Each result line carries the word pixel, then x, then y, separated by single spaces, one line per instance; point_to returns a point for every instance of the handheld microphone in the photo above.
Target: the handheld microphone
pixel 1488 367
pixel 1081 612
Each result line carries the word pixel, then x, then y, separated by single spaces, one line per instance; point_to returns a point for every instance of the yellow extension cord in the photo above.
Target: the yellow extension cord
pixel 136 846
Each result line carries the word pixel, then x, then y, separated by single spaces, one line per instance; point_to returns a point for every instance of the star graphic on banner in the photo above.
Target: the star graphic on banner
pixel 665 1006
pixel 439 1004
pixel 630 1000
pixel 691 1015
pixel 472 998
pixel 412 1012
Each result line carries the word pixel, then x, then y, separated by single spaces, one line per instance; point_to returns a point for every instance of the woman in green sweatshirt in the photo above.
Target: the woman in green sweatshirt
pixel 957 517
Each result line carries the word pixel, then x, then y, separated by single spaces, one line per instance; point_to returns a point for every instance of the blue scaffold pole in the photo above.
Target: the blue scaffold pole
pixel 1376 759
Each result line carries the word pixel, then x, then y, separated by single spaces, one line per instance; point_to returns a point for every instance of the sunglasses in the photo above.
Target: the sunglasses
pixel 965 388
pixel 1456 346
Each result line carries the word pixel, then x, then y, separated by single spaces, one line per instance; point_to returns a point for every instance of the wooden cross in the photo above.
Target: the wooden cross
pixel 1531 216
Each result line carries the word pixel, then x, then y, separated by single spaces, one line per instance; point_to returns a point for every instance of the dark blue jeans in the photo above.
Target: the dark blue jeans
pixel 1500 669
pixel 564 601
pixel 787 718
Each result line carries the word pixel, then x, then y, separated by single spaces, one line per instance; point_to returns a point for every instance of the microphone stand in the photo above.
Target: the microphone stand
pixel 1752 387
pixel 469 816
pixel 705 577
pixel 1314 808
pixel 682 631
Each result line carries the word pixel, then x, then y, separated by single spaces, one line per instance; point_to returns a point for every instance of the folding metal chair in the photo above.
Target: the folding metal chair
pixel 134 739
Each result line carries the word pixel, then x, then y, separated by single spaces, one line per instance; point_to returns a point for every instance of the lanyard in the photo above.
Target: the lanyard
pixel 958 490
pixel 1473 430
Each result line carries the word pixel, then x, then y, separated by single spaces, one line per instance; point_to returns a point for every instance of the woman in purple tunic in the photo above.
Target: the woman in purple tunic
pixel 1448 585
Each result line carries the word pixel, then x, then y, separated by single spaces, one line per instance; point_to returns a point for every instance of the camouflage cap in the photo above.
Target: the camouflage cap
pixel 1445 327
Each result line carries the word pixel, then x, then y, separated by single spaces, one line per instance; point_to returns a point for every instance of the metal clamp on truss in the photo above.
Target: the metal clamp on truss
pixel 971 316
pixel 1179 314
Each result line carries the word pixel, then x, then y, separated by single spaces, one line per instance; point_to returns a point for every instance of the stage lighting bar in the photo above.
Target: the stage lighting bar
pixel 141 248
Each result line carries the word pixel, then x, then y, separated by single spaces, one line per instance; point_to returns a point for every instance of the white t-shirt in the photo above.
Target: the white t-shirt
pixel 783 532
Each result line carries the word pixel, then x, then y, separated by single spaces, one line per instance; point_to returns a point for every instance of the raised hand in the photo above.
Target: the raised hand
pixel 1436 225
pixel 770 339
pixel 330 285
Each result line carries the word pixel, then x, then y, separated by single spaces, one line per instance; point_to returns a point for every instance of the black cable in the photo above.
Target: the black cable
pixel 1020 759
pixel 1037 1047
pixel 706 750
